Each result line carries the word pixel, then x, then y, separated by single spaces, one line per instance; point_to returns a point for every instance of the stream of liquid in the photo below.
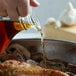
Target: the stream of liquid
pixel 42 44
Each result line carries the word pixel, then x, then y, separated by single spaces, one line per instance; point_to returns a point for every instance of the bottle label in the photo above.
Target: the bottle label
pixel 21 26
pixel 18 26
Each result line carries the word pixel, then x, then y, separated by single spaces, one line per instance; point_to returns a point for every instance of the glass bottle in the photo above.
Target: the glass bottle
pixel 9 28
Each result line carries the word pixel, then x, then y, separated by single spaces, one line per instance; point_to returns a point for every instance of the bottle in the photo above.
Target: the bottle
pixel 9 28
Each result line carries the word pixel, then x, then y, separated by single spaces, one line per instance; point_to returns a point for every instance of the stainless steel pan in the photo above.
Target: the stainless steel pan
pixel 55 49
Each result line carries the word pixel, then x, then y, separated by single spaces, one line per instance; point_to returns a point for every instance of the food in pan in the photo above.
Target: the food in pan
pixel 18 52
pixel 60 65
pixel 17 68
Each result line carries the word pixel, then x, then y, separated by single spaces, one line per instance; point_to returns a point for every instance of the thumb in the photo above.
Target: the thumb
pixel 34 3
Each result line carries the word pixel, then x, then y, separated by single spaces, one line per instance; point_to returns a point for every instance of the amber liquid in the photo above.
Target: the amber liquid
pixel 43 46
pixel 8 29
pixel 13 27
pixel 42 43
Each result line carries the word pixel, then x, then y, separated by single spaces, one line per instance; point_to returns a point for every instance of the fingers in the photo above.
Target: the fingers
pixel 23 8
pixel 16 8
pixel 3 13
pixel 2 10
pixel 34 3
pixel 11 9
pixel 12 13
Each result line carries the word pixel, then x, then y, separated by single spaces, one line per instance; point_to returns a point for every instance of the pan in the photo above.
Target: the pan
pixel 61 52
pixel 55 49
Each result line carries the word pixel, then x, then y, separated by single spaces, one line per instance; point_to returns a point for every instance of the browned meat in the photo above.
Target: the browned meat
pixel 17 68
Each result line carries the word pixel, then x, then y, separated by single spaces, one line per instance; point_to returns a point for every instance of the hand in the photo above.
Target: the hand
pixel 16 8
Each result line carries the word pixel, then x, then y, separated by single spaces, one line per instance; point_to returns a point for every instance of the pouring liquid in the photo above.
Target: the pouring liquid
pixel 42 43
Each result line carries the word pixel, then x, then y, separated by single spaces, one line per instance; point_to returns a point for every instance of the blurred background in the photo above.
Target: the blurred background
pixel 51 8
pixel 47 9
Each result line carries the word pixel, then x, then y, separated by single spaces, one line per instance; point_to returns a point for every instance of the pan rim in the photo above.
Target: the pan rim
pixel 47 39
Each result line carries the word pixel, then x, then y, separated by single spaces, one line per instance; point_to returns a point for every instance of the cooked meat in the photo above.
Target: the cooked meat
pixel 17 68
pixel 71 68
pixel 59 65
